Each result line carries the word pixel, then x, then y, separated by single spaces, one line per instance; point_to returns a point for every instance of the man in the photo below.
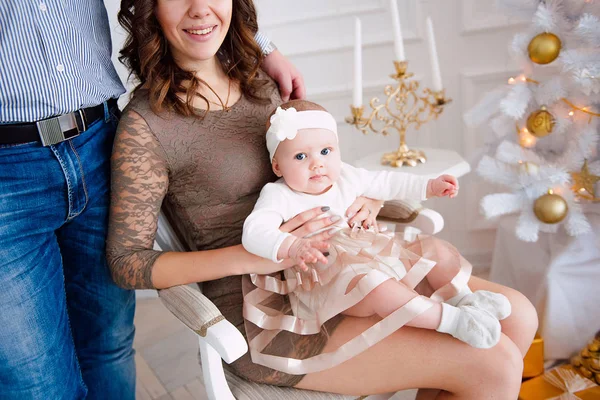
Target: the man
pixel 66 330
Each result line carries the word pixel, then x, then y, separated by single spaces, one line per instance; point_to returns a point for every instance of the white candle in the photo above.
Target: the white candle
pixel 435 63
pixel 398 44
pixel 357 93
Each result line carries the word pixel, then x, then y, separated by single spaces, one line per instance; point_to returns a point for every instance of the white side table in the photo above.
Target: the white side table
pixel 439 162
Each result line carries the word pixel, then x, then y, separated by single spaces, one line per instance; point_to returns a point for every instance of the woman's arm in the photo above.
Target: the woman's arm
pixel 139 185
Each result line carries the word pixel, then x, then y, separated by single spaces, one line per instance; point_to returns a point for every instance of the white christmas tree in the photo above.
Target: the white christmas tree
pixel 542 127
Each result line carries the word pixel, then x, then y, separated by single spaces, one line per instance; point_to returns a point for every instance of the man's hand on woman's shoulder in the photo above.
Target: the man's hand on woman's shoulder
pixel 289 80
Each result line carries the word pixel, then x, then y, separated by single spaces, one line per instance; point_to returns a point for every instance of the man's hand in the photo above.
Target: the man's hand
pixel 291 83
pixel 444 185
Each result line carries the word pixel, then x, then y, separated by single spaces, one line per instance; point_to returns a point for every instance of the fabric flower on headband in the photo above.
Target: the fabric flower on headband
pixel 284 123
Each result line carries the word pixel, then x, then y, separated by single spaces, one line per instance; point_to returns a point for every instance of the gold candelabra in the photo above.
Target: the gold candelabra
pixel 403 107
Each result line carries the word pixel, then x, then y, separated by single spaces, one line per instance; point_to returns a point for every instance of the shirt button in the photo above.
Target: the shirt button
pixel 43 7
pixel 60 68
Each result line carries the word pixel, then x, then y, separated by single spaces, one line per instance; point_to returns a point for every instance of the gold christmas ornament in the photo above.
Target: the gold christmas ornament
pixel 544 48
pixel 550 208
pixel 540 123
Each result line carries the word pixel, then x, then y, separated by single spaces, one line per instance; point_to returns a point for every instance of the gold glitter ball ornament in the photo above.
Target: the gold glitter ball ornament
pixel 544 48
pixel 550 208
pixel 540 123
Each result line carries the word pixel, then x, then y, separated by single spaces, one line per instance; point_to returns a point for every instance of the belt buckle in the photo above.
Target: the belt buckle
pixel 52 130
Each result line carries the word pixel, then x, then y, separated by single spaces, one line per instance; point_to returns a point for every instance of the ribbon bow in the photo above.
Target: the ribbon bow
pixel 568 381
pixel 284 123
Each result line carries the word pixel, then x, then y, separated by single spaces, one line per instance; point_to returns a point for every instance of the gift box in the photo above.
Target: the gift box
pixel 558 384
pixel 534 359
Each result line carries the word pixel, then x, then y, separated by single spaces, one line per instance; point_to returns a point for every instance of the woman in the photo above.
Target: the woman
pixel 195 140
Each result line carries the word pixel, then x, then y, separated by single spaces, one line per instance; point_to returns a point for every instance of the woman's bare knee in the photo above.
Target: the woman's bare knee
pixel 522 324
pixel 496 373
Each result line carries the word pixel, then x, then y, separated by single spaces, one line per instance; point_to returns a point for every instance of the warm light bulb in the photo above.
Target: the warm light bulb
pixel 571 113
pixel 511 81
pixel 550 191
pixel 527 141
pixel 523 78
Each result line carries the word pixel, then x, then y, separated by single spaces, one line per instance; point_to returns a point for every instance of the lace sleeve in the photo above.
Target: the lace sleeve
pixel 139 184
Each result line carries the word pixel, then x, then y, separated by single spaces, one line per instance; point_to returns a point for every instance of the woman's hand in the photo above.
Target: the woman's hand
pixel 364 211
pixel 306 223
pixel 443 185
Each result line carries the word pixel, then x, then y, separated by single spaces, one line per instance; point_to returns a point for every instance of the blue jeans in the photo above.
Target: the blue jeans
pixel 66 330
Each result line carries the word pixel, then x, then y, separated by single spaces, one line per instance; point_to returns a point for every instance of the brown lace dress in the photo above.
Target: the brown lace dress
pixel 216 169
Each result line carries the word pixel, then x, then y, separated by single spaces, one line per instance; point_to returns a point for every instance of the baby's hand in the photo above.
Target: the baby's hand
pixel 304 251
pixel 444 185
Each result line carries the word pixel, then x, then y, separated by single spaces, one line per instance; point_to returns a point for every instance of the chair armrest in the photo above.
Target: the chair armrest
pixel 200 315
pixel 402 212
pixel 399 211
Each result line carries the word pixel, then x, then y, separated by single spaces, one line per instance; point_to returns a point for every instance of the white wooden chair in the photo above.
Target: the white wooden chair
pixel 220 341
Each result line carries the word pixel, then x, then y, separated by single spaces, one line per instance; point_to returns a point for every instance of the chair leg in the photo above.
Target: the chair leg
pixel 214 375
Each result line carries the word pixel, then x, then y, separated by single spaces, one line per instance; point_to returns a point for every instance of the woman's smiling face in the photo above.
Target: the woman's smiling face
pixel 194 29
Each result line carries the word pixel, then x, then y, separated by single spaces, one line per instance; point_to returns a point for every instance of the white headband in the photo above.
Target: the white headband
pixel 285 124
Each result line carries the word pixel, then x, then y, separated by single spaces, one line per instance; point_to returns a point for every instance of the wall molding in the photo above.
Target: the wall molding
pixel 472 23
pixel 336 22
pixel 360 8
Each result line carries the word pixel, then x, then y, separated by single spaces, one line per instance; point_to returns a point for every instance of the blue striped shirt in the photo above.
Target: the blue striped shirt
pixel 55 58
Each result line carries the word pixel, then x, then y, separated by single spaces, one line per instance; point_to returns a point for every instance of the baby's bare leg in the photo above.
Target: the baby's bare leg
pixel 473 326
pixel 387 298
pixel 448 265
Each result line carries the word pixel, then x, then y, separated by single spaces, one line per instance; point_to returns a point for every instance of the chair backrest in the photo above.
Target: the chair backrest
pixel 166 238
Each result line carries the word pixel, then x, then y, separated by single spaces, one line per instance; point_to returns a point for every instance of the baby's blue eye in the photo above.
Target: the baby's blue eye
pixel 326 151
pixel 300 156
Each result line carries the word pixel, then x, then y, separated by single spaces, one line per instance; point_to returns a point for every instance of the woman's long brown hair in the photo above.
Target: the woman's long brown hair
pixel 146 54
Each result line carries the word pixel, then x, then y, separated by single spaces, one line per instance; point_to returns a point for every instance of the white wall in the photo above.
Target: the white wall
pixel 317 36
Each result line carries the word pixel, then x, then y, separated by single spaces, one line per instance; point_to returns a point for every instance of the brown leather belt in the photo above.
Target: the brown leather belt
pixel 53 130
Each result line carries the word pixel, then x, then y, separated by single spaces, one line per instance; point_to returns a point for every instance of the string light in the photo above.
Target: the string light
pixel 582 109
pixel 571 113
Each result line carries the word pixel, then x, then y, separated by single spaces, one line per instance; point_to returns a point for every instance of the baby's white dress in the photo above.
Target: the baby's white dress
pixel 320 294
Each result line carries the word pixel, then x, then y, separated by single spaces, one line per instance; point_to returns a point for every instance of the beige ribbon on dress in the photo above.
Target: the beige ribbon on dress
pixel 373 251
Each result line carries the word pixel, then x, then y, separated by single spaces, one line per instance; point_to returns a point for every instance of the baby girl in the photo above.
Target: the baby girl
pixel 357 272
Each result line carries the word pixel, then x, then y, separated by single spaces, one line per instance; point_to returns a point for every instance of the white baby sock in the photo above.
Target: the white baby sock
pixel 495 303
pixel 471 325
